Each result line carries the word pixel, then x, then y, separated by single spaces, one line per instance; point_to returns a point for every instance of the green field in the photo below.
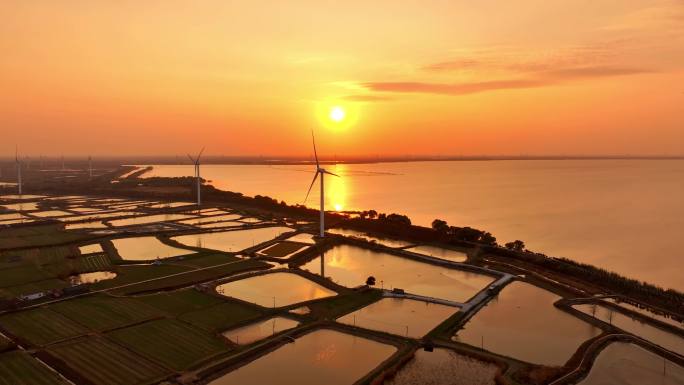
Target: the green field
pixel 34 287
pixel 34 236
pixel 173 343
pixel 208 260
pixel 180 301
pixel 102 312
pixel 17 367
pixel 192 277
pixel 20 275
pixel 136 273
pixel 40 326
pixel 221 317
pixel 103 362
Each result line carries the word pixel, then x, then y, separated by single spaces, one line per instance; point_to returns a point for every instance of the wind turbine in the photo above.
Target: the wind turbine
pixel 322 172
pixel 16 160
pixel 90 167
pixel 196 161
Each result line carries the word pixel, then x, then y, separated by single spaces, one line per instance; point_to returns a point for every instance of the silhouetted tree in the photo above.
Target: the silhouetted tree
pixel 372 214
pixel 516 245
pixel 398 218
pixel 370 281
pixel 440 226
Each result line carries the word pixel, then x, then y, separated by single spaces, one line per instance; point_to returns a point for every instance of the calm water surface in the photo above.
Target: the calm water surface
pixel 259 330
pixel 350 266
pixel 275 289
pixel 321 357
pixel 523 323
pixel 404 317
pixel 440 252
pixel 624 215
pixel 389 242
pixel 658 336
pixel 146 248
pixel 232 241
pixel 444 367
pixel 628 364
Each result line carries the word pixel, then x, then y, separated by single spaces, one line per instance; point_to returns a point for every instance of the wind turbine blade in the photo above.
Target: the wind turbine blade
pixel 200 154
pixel 310 186
pixel 331 173
pixel 191 159
pixel 313 139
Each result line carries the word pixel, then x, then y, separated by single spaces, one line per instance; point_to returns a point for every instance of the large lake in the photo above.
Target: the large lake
pixel 624 215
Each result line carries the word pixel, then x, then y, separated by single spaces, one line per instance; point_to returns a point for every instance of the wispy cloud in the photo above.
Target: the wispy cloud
pixel 369 98
pixel 544 78
pixel 451 89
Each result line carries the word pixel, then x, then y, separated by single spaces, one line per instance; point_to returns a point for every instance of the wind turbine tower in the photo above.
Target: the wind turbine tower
pixel 322 172
pixel 90 167
pixel 16 160
pixel 196 161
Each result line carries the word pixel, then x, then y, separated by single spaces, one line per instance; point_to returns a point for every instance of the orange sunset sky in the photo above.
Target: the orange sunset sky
pixel 413 77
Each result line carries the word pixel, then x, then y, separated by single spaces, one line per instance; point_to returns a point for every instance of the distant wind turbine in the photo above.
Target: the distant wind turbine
pixel 90 167
pixel 196 161
pixel 322 172
pixel 16 160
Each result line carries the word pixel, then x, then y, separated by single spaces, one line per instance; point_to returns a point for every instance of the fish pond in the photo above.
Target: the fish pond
pixel 440 252
pixel 444 367
pixel 521 320
pixel 404 317
pixel 145 248
pixel 628 364
pixel 275 289
pixel 259 330
pixel 320 357
pixel 635 326
pixel 231 241
pixel 350 266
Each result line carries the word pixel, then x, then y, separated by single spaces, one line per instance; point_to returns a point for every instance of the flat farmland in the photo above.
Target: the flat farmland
pixel 96 262
pixel 173 343
pixel 136 273
pixel 40 326
pixel 221 317
pixel 102 312
pixel 192 277
pixel 21 275
pixel 99 361
pixel 18 367
pixel 180 301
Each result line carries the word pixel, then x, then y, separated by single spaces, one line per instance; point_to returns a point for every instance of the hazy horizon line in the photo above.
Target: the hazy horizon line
pixel 280 159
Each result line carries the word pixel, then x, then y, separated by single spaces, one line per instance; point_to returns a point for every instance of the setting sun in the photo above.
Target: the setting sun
pixel 337 114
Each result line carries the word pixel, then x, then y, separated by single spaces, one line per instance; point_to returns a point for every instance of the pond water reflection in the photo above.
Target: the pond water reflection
pixel 628 364
pixel 145 248
pixel 259 330
pixel 321 357
pixel 523 323
pixel 275 289
pixel 350 266
pixel 232 241
pixel 658 336
pixel 404 317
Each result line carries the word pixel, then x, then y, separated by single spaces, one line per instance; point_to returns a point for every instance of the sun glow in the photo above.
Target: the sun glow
pixel 337 114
